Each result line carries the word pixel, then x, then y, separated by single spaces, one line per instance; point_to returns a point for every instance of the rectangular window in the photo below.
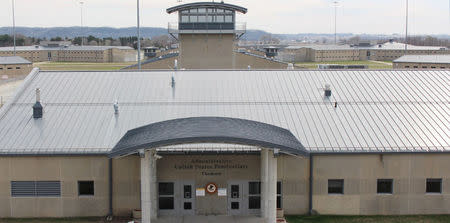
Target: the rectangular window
pixel 228 18
pixel 193 18
pixel 434 186
pixel 336 186
pixel 234 191
pixel 17 68
pixel 35 188
pixel 9 68
pixel 209 18
pixel 279 195
pixel 184 18
pixel 86 188
pixel 254 195
pixel 201 18
pixel 384 186
pixel 166 196
pixel 219 18
pixel 202 10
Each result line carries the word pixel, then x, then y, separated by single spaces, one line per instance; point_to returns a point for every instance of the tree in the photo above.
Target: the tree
pixel 56 39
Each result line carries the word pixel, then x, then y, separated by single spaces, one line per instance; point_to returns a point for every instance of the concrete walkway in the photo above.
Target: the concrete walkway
pixel 209 219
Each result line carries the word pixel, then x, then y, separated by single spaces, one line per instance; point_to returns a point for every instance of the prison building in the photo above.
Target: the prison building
pixel 243 143
pixel 388 51
pixel 63 51
pixel 14 66
pixel 423 62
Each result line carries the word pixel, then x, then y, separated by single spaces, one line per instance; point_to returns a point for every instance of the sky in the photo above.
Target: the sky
pixel 275 16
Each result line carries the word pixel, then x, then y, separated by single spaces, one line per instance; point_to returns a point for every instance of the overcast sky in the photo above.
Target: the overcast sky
pixel 276 16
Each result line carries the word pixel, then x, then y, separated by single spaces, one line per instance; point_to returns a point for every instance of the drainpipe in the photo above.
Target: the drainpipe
pixel 311 178
pixel 110 183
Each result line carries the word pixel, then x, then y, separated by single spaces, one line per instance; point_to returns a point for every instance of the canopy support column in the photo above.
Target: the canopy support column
pixel 268 185
pixel 148 185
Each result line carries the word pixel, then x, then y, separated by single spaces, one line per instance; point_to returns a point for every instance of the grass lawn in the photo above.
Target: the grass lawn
pixel 369 219
pixel 371 64
pixel 81 66
pixel 62 220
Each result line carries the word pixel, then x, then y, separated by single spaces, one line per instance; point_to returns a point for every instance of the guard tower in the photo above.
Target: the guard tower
pixel 207 32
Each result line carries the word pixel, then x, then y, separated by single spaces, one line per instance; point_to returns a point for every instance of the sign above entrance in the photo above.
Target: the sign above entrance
pixel 211 188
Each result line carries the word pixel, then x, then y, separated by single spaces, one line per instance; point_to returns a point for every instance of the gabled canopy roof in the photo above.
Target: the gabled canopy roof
pixel 208 130
pixel 207 4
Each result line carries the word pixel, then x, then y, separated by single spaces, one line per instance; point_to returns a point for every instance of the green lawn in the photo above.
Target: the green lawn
pixel 371 64
pixel 369 219
pixel 81 66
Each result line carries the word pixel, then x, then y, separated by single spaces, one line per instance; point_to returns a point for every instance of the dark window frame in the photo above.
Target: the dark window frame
pixel 433 180
pixel 340 181
pixel 166 196
pixel 83 194
pixel 391 181
pixel 255 195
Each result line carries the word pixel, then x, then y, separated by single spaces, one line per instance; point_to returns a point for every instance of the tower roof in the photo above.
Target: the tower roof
pixel 206 4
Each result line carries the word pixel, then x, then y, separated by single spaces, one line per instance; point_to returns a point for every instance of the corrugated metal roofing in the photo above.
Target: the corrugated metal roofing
pixel 13 60
pixel 377 111
pixel 438 59
pixel 384 46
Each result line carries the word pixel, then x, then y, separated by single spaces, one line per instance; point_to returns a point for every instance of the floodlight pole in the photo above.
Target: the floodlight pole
pixel 335 21
pixel 406 33
pixel 138 37
pixel 14 26
pixel 81 18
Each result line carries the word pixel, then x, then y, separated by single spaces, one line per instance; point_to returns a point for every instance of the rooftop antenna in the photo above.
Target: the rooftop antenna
pixel 406 33
pixel 14 26
pixel 81 21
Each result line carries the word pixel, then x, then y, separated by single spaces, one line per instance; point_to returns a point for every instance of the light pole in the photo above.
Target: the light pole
pixel 335 4
pixel 138 37
pixel 406 32
pixel 81 18
pixel 14 26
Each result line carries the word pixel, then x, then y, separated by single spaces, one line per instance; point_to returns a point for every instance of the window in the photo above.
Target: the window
pixel 416 67
pixel 434 185
pixel 254 195
pixel 193 18
pixel 201 18
pixel 279 195
pixel 336 186
pixel 184 18
pixel 166 196
pixel 228 18
pixel 17 68
pixel 9 68
pixel 219 18
pixel 85 188
pixel 35 188
pixel 384 186
pixel 406 66
pixel 202 10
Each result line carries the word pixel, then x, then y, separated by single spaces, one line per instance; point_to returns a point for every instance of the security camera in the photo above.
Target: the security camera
pixel 158 157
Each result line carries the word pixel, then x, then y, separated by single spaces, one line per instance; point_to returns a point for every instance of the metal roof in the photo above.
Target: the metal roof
pixel 385 46
pixel 59 48
pixel 208 130
pixel 438 59
pixel 13 60
pixel 207 4
pixel 376 111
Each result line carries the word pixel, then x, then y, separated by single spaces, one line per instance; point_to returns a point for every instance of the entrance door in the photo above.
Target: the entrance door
pixel 187 198
pixel 236 199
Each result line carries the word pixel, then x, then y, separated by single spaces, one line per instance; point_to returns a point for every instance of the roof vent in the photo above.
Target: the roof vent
pixel 327 90
pixel 37 107
pixel 116 107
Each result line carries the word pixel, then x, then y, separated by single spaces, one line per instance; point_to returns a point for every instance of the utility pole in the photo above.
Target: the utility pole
pixel 81 18
pixel 406 33
pixel 14 26
pixel 138 37
pixel 335 21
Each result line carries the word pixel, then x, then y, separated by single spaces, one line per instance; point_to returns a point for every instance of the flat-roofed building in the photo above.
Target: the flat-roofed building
pixel 423 62
pixel 388 51
pixel 220 142
pixel 14 66
pixel 63 51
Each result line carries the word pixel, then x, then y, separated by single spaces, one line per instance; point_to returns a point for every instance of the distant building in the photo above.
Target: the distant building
pixel 207 33
pixel 63 51
pixel 423 62
pixel 14 66
pixel 388 51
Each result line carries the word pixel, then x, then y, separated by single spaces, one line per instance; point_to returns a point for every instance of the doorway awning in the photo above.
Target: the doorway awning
pixel 208 130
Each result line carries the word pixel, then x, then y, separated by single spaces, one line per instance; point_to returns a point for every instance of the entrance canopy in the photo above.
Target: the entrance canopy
pixel 208 130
